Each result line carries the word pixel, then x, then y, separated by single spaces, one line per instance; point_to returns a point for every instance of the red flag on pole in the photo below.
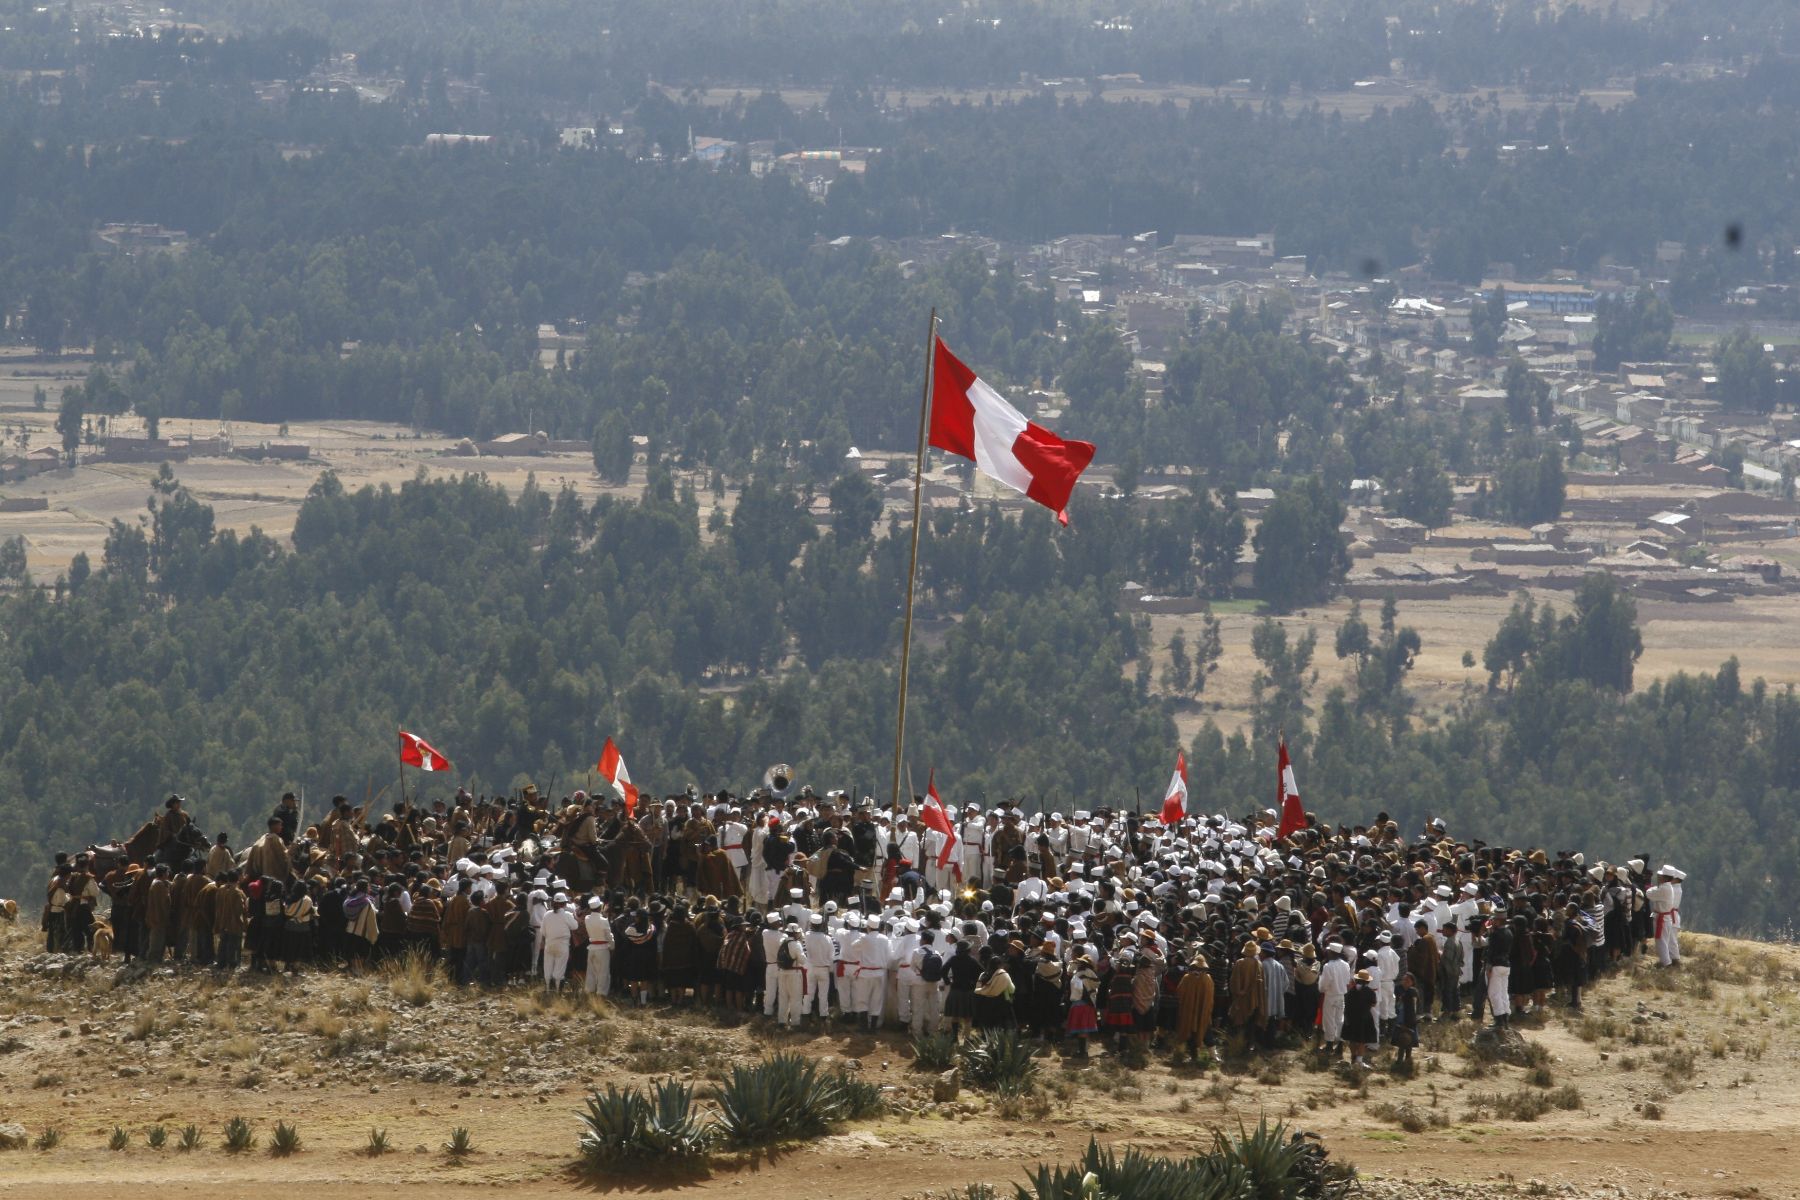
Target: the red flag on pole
pixel 1293 816
pixel 935 817
pixel 415 752
pixel 970 419
pixel 1174 807
pixel 612 768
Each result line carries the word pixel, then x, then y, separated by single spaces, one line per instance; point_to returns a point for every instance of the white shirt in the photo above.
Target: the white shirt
pixel 876 951
pixel 599 929
pixel 558 927
pixel 1334 977
pixel 819 947
pixel 733 836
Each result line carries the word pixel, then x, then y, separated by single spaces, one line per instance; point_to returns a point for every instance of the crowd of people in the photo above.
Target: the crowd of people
pixel 1102 926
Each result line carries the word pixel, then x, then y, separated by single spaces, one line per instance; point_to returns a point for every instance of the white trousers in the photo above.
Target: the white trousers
pixel 1499 995
pixel 599 969
pixel 1332 1017
pixel 792 991
pixel 771 988
pixel 1668 943
pixel 927 1007
pixel 871 992
pixel 818 991
pixel 849 993
pixel 1384 1002
pixel 556 961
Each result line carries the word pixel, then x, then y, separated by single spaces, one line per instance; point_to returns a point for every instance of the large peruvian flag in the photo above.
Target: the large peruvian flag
pixel 935 817
pixel 612 768
pixel 1174 808
pixel 1293 816
pixel 971 419
pixel 415 752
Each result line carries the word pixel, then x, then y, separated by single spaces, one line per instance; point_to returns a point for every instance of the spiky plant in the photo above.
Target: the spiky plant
pixel 858 1099
pixel 239 1137
pixel 460 1145
pixel 934 1051
pixel 50 1139
pixel 378 1143
pixel 119 1139
pixel 285 1141
pixel 612 1124
pixel 999 1061
pixel 780 1098
pixel 156 1137
pixel 671 1129
pixel 190 1138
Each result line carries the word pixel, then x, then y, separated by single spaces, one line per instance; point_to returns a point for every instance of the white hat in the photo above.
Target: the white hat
pixel 772 919
pixel 1596 872
pixel 831 906
pixel 1672 873
pixel 1469 889
pixel 1636 864
pixel 795 894
pixel 594 902
pixel 1442 891
pixel 560 898
pixel 1284 903
pixel 816 919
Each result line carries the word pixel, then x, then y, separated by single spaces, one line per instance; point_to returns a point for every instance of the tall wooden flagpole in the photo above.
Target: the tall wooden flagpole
pixel 912 570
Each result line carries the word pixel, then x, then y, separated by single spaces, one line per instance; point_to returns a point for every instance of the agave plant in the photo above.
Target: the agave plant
pixel 999 1061
pixel 671 1129
pixel 190 1138
pixel 156 1137
pixel 612 1124
pixel 286 1140
pixel 238 1136
pixel 460 1145
pixel 934 1051
pixel 1268 1164
pixel 119 1139
pixel 377 1144
pixel 777 1099
pixel 50 1139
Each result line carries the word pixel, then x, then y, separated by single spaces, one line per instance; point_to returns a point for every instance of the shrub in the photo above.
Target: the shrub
pixel 190 1138
pixel 285 1141
pixel 999 1061
pixel 623 1125
pixel 414 977
pixel 1409 1116
pixel 378 1143
pixel 934 1051
pixel 50 1139
pixel 785 1097
pixel 1266 1163
pixel 119 1139
pixel 238 1136
pixel 460 1145
pixel 156 1137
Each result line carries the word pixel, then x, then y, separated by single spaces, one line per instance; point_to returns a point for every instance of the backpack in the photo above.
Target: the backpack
pixel 931 967
pixel 784 958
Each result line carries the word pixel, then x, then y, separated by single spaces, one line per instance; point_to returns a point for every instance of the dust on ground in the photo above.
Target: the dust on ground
pixel 1676 1083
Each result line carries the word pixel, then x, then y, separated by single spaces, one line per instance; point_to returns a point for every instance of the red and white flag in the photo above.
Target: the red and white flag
pixel 1174 809
pixel 415 752
pixel 612 769
pixel 972 420
pixel 935 817
pixel 1293 816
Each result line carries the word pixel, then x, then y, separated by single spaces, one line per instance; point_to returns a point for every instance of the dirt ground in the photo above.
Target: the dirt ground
pixel 1683 1083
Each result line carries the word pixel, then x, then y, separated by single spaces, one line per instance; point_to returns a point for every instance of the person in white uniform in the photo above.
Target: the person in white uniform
pixel 599 950
pixel 1665 914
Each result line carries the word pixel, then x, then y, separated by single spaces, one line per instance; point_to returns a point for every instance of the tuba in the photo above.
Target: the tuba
pixel 779 779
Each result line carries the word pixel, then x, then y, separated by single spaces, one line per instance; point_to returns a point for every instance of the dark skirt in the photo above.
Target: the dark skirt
pixel 297 945
pixel 1119 1011
pixel 1359 1017
pixel 1083 1018
pixel 959 1003
pixel 995 1012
